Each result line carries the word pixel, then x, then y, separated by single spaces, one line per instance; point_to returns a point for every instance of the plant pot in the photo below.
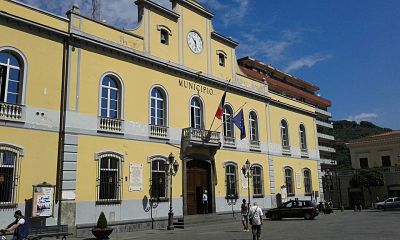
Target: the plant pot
pixel 102 233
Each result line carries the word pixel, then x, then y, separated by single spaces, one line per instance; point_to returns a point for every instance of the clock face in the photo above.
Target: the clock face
pixel 195 42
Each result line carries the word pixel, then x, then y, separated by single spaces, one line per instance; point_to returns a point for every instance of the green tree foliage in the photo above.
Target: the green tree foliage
pixel 368 178
pixel 102 221
pixel 344 131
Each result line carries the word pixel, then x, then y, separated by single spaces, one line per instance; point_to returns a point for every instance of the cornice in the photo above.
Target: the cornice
pixel 229 41
pixel 154 6
pixel 291 107
pixel 192 6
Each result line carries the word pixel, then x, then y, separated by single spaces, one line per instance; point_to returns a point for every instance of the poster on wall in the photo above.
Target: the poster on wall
pixel 43 201
pixel 135 177
pixel 298 180
pixel 244 181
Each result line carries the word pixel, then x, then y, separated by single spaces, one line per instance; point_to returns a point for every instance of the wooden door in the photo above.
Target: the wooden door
pixel 198 180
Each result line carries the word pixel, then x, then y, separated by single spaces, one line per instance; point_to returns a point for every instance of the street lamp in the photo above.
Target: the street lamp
pixel 247 172
pixel 171 168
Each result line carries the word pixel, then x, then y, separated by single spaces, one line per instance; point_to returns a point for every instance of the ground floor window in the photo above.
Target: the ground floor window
pixel 9 158
pixel 109 180
pixel 231 182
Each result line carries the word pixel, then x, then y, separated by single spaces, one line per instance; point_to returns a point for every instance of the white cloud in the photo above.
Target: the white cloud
pixel 233 12
pixel 307 61
pixel 363 117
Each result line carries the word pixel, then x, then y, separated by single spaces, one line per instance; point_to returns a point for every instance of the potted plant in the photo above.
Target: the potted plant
pixel 102 231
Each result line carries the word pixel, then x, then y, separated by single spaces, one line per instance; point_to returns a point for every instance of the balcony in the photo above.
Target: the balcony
pixel 324 124
pixel 323 112
pixel 200 137
pixel 255 144
pixel 110 125
pixel 327 149
pixel 156 131
pixel 11 112
pixel 328 161
pixel 229 141
pixel 326 136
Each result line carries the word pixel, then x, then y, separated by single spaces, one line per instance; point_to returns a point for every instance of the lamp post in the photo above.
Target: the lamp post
pixel 171 168
pixel 247 172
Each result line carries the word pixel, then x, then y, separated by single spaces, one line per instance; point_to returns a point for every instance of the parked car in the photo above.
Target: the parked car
pixel 294 209
pixel 388 203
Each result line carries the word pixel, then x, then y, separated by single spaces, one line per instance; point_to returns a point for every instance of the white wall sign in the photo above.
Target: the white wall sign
pixel 135 177
pixel 244 181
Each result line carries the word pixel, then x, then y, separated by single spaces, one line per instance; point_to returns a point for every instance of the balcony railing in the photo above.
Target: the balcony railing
pixel 11 112
pixel 324 124
pixel 323 112
pixel 327 149
pixel 110 125
pixel 200 136
pixel 156 131
pixel 229 141
pixel 395 169
pixel 326 136
pixel 255 144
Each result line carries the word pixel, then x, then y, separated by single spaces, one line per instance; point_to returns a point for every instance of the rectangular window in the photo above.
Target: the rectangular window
pixel 158 180
pixel 8 163
pixel 364 162
pixel 231 189
pixel 164 37
pixel 221 58
pixel 257 181
pixel 386 161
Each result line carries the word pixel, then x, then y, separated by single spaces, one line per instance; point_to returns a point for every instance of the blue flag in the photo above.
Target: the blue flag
pixel 238 120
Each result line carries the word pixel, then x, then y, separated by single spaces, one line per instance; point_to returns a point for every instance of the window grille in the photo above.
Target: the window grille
pixel 109 177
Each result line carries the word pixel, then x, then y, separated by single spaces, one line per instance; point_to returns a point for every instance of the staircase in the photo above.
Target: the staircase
pixel 192 220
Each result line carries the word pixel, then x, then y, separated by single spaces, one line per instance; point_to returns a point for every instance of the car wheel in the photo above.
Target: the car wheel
pixel 307 216
pixel 379 207
pixel 273 216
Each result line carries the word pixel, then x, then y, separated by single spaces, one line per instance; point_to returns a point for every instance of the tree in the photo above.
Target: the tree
pixel 368 178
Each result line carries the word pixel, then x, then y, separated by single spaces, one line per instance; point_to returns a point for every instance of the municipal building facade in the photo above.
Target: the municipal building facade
pixel 96 111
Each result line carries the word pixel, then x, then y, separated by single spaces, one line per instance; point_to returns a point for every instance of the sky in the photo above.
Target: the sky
pixel 349 48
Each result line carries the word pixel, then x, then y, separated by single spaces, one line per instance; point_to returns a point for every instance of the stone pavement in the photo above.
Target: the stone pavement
pixel 348 225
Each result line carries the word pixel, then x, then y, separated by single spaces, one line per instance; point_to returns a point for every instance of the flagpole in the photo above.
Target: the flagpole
pixel 226 88
pixel 232 115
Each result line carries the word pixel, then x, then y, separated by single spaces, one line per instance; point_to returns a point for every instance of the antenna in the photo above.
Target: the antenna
pixel 96 5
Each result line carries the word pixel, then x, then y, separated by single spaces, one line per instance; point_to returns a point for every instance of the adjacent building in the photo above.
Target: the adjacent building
pixel 98 111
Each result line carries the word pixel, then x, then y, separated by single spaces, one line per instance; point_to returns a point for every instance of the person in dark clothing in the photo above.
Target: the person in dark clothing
pixel 19 226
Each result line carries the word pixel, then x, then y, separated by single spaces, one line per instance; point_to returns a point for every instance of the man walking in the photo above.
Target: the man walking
pixel 256 220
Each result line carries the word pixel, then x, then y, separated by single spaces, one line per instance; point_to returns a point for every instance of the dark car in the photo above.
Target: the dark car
pixel 294 209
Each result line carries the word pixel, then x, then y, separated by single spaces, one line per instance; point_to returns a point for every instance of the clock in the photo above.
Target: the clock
pixel 195 42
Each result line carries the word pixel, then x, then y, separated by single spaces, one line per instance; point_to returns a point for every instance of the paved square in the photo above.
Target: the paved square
pixel 366 225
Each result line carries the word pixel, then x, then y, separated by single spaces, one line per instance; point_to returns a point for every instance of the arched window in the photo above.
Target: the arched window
pixel 231 183
pixel 227 121
pixel 289 181
pixel 109 180
pixel 196 113
pixel 307 181
pixel 158 179
pixel 257 180
pixel 11 77
pixel 303 139
pixel 110 98
pixel 158 107
pixel 9 157
pixel 285 135
pixel 253 126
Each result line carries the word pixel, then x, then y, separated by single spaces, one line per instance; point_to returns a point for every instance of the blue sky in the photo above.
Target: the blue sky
pixel 349 48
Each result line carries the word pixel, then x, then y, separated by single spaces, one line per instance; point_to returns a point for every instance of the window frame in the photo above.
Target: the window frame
pixel 228 125
pixel 222 56
pixel 255 136
pixel 19 154
pixel 303 138
pixel 307 181
pixel 151 161
pixel 284 128
pixel 121 92
pixel 386 159
pixel 119 184
pixel 201 124
pixel 292 187
pixel 261 179
pixel 22 81
pixel 228 182
pixel 164 99
pixel 364 160
pixel 166 32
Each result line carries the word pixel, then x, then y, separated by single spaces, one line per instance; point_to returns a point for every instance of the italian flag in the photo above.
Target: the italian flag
pixel 220 109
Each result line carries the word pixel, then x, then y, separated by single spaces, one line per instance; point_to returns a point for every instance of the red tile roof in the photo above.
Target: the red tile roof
pixel 275 84
pixel 383 137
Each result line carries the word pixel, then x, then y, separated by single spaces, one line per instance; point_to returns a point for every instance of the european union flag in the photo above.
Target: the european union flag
pixel 238 120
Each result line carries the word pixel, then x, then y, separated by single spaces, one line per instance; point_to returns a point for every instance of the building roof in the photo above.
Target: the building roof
pixel 273 83
pixel 383 137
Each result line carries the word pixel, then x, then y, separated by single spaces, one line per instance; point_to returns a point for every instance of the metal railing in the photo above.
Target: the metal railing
pixel 200 135
pixel 10 111
pixel 110 125
pixel 157 131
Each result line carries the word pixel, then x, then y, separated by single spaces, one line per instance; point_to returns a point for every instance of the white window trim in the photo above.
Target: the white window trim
pixel 121 93
pixel 166 104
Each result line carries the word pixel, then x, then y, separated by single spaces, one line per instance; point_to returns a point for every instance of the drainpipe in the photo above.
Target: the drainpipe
pixel 61 132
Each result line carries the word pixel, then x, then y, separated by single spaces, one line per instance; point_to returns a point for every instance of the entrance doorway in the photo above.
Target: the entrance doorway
pixel 198 179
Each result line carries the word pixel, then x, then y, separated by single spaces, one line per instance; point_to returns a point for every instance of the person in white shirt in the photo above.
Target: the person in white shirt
pixel 255 216
pixel 205 202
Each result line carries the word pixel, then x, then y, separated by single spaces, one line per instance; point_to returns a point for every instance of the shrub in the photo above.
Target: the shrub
pixel 102 221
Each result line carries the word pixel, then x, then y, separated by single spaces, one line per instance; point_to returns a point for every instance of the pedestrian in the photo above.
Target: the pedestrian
pixel 245 216
pixel 255 216
pixel 205 202
pixel 19 226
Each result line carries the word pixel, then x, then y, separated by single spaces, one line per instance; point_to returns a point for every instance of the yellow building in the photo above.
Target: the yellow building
pixel 97 111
